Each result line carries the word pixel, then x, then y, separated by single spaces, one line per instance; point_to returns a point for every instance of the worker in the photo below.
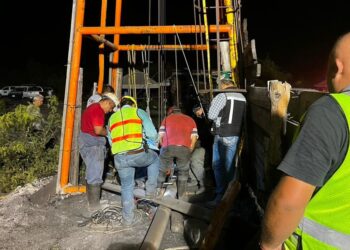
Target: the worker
pixel 34 111
pixel 97 97
pixel 129 126
pixel 227 113
pixel 309 208
pixel 197 169
pixel 92 145
pixel 177 137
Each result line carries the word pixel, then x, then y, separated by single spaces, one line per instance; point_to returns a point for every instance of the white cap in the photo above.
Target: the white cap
pixel 111 96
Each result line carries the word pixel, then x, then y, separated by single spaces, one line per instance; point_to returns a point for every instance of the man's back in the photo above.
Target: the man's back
pixel 177 130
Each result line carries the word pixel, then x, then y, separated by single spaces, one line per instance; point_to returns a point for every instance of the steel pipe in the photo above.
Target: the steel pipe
pixel 137 30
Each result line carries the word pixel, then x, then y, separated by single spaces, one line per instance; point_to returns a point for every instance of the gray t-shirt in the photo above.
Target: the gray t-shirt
pixel 321 145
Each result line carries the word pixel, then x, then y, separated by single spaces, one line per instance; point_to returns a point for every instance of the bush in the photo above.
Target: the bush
pixel 25 153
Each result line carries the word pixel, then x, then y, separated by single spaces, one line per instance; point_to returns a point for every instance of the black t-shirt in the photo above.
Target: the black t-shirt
pixel 321 145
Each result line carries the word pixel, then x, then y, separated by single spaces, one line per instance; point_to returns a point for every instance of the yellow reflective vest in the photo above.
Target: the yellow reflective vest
pixel 126 130
pixel 326 222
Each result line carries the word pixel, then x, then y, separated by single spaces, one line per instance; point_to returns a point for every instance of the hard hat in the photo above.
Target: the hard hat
pixel 112 97
pixel 130 98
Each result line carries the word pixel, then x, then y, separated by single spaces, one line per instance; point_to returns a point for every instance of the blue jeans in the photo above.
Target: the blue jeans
pixel 126 165
pixel 93 152
pixel 224 150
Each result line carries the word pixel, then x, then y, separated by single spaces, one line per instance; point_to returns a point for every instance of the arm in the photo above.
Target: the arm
pixel 194 139
pixel 161 136
pixel 100 130
pixel 310 159
pixel 216 106
pixel 149 129
pixel 284 211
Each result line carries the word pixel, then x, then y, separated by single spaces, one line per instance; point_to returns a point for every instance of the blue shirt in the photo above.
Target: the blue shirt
pixel 149 131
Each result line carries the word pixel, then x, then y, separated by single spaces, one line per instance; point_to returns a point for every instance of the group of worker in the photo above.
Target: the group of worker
pixel 134 144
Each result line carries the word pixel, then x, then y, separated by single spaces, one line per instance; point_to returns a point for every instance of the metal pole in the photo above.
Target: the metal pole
pixel 69 60
pixel 72 94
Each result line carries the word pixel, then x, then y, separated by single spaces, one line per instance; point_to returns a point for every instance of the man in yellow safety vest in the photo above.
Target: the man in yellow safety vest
pixel 310 207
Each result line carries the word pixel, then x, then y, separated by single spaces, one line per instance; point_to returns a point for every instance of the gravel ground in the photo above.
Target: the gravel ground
pixel 33 217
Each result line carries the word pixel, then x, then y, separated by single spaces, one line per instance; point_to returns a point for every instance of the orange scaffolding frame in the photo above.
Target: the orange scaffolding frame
pixel 117 30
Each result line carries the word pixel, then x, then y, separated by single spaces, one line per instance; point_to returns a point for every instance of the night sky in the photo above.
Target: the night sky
pixel 297 35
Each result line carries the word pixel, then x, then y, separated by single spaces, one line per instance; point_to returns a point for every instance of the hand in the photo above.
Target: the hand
pixel 199 112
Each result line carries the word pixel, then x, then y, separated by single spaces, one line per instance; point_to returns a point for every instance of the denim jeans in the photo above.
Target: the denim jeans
pixel 224 150
pixel 93 151
pixel 126 165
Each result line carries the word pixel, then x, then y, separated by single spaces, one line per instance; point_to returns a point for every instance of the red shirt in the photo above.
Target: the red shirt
pixel 177 129
pixel 92 116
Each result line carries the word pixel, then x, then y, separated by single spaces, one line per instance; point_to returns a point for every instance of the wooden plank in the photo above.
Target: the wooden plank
pixel 219 217
pixel 74 164
pixel 184 207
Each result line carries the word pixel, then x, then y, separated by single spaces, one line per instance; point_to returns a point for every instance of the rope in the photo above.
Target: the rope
pixel 146 78
pixel 196 40
pixel 129 70
pixel 133 57
pixel 201 40
pixel 189 70
pixel 217 17
pixel 208 48
pixel 176 76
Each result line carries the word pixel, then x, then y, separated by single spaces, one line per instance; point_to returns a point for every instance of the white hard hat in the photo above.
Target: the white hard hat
pixel 111 96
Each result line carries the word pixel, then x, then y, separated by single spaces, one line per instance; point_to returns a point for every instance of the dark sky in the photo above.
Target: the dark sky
pixel 297 35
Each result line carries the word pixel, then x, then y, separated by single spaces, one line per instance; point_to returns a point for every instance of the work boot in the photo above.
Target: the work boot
pixel 181 189
pixel 93 195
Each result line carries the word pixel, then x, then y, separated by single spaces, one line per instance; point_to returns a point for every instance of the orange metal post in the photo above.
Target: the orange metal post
pixel 101 56
pixel 72 94
pixel 181 29
pixel 118 11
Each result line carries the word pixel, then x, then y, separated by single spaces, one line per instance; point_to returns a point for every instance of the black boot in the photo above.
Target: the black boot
pixel 181 189
pixel 93 195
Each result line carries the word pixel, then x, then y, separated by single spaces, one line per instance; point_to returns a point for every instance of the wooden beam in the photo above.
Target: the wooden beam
pixel 220 216
pixel 184 207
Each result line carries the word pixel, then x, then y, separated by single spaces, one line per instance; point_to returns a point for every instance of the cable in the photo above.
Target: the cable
pixel 109 220
pixel 189 71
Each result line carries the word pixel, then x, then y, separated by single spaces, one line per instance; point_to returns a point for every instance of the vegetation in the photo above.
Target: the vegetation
pixel 26 153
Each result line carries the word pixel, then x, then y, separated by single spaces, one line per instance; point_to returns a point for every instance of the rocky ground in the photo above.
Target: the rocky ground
pixel 34 217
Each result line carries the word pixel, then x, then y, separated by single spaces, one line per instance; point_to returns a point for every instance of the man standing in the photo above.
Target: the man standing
pixel 128 126
pixel 178 136
pixel 92 144
pixel 311 203
pixel 33 109
pixel 227 112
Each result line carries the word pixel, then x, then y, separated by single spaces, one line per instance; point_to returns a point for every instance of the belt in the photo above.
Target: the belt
pixel 135 151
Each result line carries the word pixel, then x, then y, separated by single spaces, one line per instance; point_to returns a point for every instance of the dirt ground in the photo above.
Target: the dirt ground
pixel 34 217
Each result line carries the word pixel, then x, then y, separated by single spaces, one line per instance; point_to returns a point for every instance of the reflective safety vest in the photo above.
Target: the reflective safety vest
pixel 326 222
pixel 125 127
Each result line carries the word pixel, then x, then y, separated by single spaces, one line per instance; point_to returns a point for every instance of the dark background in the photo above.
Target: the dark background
pixel 296 35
